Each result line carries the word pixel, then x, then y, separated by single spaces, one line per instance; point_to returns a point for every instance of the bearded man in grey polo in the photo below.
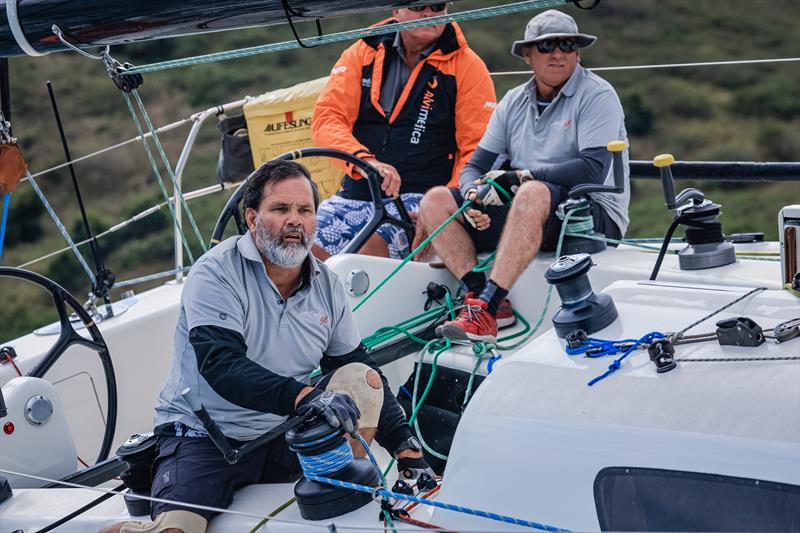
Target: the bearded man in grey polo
pixel 258 314
pixel 552 131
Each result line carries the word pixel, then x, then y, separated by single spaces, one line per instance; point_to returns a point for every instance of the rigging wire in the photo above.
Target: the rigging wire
pixel 330 526
pixel 474 14
pixel 663 65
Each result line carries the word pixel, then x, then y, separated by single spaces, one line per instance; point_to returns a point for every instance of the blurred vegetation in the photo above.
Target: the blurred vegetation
pixel 742 112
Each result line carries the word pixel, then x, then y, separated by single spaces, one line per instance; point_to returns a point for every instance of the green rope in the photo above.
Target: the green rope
pixel 168 166
pixel 470 382
pixel 486 264
pixel 441 346
pixel 410 256
pixel 474 14
pixel 157 174
pixel 386 333
pixel 274 513
pixel 388 519
pixel 526 328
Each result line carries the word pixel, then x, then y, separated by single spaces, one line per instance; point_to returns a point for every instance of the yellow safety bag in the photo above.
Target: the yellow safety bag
pixel 280 121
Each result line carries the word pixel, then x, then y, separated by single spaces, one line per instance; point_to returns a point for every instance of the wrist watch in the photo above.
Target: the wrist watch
pixel 411 443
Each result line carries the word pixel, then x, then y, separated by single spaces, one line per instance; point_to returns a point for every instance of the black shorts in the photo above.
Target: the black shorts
pixel 193 470
pixel 488 239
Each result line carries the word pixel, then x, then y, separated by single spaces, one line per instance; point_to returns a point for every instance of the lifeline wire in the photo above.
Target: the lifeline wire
pixel 663 65
pixel 474 14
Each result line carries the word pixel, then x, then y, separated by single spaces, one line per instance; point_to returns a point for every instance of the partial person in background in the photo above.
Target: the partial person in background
pixel 553 130
pixel 414 104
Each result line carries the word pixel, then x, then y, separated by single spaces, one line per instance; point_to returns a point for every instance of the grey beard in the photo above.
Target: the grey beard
pixel 272 247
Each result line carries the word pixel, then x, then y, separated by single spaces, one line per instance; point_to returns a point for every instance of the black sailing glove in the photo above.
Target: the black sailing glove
pixel 338 409
pixel 416 469
pixel 508 180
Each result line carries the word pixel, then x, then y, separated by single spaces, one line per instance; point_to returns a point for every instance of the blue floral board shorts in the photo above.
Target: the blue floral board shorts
pixel 340 219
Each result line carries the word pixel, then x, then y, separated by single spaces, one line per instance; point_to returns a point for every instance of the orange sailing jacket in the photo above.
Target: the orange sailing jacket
pixel 435 125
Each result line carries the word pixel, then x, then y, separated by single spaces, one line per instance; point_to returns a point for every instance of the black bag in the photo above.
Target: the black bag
pixel 235 158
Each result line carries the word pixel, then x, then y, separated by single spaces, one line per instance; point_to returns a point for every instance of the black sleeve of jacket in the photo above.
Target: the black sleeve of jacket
pixel 591 166
pixel 223 363
pixel 392 424
pixel 479 164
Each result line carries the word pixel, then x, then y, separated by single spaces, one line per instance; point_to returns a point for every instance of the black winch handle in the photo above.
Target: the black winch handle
pixel 217 436
pixel 233 455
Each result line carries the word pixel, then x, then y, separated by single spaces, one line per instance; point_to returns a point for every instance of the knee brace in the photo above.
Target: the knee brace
pixel 353 380
pixel 185 521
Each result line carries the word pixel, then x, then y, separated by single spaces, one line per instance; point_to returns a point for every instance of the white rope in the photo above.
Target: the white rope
pixel 168 127
pixel 330 526
pixel 664 65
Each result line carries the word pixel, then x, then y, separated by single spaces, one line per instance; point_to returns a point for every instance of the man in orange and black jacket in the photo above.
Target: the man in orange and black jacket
pixel 412 103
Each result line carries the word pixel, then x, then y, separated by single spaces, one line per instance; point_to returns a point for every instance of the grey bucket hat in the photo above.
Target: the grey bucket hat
pixel 548 25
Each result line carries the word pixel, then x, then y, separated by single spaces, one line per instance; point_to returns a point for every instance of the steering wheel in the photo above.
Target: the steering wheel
pixel 379 217
pixel 68 336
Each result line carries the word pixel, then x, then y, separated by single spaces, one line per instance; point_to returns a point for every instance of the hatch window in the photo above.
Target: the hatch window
pixel 647 499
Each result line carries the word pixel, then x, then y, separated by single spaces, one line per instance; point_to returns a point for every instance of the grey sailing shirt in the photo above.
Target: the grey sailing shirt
pixel 229 288
pixel 586 113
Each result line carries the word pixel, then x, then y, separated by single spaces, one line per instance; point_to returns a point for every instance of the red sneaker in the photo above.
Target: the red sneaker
pixel 473 323
pixel 505 312
pixel 505 315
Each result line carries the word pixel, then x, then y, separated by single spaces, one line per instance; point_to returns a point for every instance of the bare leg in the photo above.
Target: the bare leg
pixel 376 246
pixel 522 235
pixel 453 244
pixel 319 252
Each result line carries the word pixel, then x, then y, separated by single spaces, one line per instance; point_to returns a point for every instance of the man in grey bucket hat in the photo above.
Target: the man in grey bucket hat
pixel 551 24
pixel 545 137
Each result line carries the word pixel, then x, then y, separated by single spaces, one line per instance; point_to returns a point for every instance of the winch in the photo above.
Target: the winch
pixel 578 205
pixel 581 307
pixel 324 451
pixel 706 245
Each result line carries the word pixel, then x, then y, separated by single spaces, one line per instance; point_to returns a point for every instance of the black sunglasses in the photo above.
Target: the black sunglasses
pixel 436 8
pixel 548 45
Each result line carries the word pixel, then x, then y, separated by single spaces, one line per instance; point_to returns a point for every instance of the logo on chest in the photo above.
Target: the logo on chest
pixel 316 318
pixel 425 108
pixel 562 124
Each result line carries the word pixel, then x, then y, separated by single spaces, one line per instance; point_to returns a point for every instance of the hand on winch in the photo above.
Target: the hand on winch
pixel 337 409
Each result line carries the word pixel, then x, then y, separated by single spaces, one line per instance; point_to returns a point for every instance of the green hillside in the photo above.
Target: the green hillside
pixel 743 112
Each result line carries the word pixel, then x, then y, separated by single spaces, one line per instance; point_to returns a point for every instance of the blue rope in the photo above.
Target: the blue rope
pixel 328 462
pixel 384 493
pixel 600 347
pixel 6 201
pixel 492 361
pixel 614 366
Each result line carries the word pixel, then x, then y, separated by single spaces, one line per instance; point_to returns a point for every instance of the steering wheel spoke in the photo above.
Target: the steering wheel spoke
pixel 379 216
pixel 68 336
